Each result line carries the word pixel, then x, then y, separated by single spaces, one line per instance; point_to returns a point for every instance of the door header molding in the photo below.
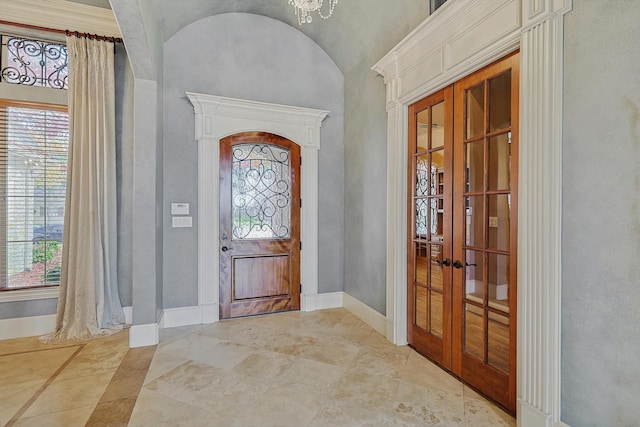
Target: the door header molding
pixel 217 117
pixel 456 40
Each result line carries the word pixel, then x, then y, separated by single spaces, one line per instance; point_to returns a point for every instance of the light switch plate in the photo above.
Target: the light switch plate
pixel 179 208
pixel 181 222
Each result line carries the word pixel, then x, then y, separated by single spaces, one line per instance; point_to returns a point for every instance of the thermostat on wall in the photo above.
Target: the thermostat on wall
pixel 179 208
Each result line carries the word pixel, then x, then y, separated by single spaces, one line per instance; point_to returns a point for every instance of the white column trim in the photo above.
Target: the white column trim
pixel 217 117
pixel 438 53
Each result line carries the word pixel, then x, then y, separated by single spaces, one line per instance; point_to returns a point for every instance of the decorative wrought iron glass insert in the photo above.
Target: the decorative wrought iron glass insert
pixel 260 192
pixel 33 62
pixel 426 184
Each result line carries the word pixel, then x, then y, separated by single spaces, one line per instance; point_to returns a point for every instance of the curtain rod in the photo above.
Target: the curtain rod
pixel 66 32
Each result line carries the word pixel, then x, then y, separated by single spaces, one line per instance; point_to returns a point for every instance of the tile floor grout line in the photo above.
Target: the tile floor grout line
pixel 38 350
pixel 44 386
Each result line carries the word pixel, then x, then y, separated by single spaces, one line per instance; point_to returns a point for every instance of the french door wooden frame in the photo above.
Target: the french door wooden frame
pixel 435 347
pixel 475 365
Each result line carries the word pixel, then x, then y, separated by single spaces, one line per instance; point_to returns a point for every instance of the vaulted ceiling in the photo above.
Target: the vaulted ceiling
pixel 357 29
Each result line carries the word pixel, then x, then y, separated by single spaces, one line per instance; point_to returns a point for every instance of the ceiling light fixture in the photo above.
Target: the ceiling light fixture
pixel 305 7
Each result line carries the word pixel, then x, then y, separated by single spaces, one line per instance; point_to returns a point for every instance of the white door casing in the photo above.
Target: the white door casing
pixel 458 39
pixel 217 117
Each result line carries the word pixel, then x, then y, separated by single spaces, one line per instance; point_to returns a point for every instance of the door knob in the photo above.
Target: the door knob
pixel 446 262
pixel 457 264
pixel 225 249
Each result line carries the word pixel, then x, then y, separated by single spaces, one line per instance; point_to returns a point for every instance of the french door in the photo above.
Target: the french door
pixel 463 151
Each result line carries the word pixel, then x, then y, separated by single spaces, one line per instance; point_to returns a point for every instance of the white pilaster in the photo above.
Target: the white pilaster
pixel 396 308
pixel 540 212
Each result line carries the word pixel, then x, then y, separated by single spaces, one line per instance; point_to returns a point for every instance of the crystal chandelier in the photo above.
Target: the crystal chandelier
pixel 305 7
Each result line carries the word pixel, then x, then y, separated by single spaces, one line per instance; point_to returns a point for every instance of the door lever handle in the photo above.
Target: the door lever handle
pixel 457 264
pixel 225 248
pixel 446 262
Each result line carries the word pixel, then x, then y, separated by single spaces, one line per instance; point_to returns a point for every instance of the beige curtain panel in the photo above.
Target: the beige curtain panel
pixel 89 303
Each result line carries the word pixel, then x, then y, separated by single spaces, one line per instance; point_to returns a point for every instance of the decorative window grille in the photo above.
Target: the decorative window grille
pixel 33 162
pixel 33 62
pixel 261 192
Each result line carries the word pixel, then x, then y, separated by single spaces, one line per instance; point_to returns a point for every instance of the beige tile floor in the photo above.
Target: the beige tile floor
pixel 325 368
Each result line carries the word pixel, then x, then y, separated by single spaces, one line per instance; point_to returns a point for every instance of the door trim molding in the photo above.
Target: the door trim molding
pixel 217 117
pixel 460 38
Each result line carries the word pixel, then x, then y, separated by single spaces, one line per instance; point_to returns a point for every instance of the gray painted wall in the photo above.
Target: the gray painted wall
pixel 272 63
pixel 601 215
pixel 124 172
pixel 366 168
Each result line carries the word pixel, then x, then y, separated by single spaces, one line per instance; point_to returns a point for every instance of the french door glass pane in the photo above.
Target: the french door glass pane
pixel 422 216
pixel 435 267
pixel 474 276
pixel 475 167
pixel 421 263
pixel 421 304
pixel 500 102
pixel 474 220
pixel 474 331
pixel 437 305
pixel 499 221
pixel 437 125
pixel 500 162
pixel 498 344
pixel 498 278
pixel 475 111
pixel 423 175
pixel 422 143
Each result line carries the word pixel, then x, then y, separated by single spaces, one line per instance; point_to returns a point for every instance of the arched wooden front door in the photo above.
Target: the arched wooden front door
pixel 259 224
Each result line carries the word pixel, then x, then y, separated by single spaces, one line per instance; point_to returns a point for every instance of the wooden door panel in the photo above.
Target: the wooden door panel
pixel 485 230
pixel 259 224
pixel 261 276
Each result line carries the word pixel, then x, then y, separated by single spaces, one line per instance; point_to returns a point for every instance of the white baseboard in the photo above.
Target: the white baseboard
pixel 210 313
pixel 128 314
pixel 21 327
pixel 530 416
pixel 367 314
pixel 315 302
pixel 181 316
pixel 143 335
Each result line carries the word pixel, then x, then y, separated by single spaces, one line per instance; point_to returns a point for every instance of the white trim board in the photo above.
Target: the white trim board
pixel 217 117
pixel 143 335
pixel 365 313
pixel 21 327
pixel 462 37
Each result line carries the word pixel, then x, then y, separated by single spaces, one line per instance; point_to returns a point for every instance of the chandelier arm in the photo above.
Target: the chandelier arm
pixel 303 9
